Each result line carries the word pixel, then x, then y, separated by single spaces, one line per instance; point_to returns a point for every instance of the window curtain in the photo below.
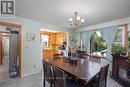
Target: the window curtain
pixel 109 36
pixel 85 37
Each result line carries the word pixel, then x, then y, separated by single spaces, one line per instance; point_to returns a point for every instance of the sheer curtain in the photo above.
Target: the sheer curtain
pixel 85 37
pixel 109 36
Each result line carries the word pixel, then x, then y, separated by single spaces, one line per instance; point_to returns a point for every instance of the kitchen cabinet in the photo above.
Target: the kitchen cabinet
pixel 60 38
pixel 49 53
pixel 46 54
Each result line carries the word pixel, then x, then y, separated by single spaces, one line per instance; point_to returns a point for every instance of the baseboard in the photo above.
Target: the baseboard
pixel 30 74
pixel 22 77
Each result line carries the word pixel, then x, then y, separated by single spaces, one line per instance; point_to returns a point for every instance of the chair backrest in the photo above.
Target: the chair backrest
pixel 103 76
pixel 81 54
pixel 59 77
pixel 57 55
pixel 95 58
pixel 48 72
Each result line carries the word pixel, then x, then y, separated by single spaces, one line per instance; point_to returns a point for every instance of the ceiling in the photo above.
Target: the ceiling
pixel 57 12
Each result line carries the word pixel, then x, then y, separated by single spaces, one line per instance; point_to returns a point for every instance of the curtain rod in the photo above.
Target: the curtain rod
pixel 99 29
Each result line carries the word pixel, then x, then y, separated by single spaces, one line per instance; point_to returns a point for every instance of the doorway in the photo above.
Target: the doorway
pixel 4 65
pixel 5 47
pixel 10 51
pixel 54 44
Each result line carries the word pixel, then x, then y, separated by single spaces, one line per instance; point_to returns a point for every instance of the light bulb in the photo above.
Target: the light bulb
pixel 78 18
pixel 82 20
pixel 70 19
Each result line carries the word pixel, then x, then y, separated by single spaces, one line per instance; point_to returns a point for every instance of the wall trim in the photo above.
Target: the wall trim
pixel 29 74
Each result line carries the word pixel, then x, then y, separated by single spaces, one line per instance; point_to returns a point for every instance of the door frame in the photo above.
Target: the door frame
pixel 1 48
pixel 18 28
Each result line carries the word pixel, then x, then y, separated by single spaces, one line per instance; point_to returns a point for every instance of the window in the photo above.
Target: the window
pixel 45 40
pixel 98 45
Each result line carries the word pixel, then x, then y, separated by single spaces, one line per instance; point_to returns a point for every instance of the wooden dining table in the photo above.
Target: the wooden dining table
pixel 83 69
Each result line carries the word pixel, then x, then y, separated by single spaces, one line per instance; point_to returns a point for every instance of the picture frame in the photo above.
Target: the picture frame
pixel 31 36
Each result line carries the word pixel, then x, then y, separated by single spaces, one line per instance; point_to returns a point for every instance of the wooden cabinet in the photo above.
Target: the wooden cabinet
pixel 52 52
pixel 46 54
pixel 121 69
pixel 55 39
pixel 49 53
pixel 61 37
pixel 52 39
pixel 58 39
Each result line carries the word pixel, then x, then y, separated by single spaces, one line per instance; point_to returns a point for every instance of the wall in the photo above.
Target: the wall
pixel 106 24
pixel 31 50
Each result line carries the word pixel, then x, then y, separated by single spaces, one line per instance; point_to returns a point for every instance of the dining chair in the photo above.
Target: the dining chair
pixel 81 54
pixel 48 73
pixel 61 81
pixel 95 58
pixel 57 55
pixel 101 79
pixel 103 76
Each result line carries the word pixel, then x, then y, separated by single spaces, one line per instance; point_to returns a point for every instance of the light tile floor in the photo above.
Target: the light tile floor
pixel 36 81
pixel 4 70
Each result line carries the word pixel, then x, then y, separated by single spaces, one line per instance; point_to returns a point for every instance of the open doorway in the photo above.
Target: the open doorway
pixel 98 45
pixel 5 47
pixel 10 51
pixel 54 44
pixel 4 66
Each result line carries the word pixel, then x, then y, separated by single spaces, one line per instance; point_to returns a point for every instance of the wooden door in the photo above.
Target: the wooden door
pixel 0 48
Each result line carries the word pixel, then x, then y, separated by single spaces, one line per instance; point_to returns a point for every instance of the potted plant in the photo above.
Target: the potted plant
pixel 117 49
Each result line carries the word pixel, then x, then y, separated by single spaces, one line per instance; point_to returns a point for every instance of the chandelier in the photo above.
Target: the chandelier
pixel 76 20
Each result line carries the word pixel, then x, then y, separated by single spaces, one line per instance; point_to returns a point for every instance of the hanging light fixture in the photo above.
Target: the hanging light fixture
pixel 76 20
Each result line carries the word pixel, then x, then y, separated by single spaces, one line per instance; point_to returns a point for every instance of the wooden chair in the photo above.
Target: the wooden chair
pixel 101 79
pixel 95 58
pixel 48 74
pixel 57 55
pixel 61 81
pixel 81 54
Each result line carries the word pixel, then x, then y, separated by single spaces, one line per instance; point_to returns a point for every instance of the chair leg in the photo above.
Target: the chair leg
pixel 51 85
pixel 44 83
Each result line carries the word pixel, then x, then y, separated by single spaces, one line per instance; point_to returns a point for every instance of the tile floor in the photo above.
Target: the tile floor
pixel 4 70
pixel 36 81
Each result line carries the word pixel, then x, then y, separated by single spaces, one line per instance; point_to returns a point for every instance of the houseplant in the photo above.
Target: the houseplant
pixel 117 49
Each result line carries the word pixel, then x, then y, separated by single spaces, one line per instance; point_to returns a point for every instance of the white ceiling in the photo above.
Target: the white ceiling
pixel 57 12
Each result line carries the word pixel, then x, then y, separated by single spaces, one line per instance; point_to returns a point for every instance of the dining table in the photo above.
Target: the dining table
pixel 82 68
